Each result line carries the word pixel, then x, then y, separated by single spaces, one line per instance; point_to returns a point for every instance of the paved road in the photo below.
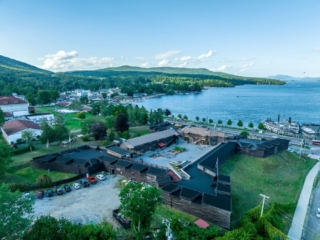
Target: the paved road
pixel 312 230
pixel 295 231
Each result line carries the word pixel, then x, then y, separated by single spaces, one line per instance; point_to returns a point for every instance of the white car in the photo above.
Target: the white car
pixel 76 186
pixel 318 213
pixel 100 177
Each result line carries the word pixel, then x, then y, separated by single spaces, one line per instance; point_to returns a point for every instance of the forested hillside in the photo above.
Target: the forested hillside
pixel 23 78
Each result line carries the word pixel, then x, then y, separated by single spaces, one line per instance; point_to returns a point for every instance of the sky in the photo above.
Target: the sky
pixel 248 38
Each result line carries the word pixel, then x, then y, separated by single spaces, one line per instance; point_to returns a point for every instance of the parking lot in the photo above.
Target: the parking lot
pixel 94 203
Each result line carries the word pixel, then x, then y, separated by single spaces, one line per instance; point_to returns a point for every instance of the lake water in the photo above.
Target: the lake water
pixel 249 103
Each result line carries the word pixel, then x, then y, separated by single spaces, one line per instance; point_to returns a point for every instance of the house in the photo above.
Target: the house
pixel 150 142
pixel 14 106
pixel 161 126
pixel 12 130
pixel 205 136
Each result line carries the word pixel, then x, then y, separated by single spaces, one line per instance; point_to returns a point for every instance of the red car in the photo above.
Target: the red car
pixel 40 194
pixel 92 179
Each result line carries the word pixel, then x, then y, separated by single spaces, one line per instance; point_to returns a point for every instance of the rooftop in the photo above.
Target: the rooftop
pixel 5 100
pixel 15 126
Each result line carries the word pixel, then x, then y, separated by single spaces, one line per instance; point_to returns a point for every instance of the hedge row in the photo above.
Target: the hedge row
pixel 22 150
pixel 43 181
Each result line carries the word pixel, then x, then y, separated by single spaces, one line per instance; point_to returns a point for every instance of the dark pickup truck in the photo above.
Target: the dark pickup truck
pixel 84 183
pixel 125 222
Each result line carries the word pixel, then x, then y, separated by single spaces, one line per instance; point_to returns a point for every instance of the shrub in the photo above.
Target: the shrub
pixel 44 181
pixel 86 138
pixel 22 150
pixel 244 133
pixel 23 187
pixel 179 149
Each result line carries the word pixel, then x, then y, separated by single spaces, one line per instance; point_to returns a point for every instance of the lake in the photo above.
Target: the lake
pixel 250 103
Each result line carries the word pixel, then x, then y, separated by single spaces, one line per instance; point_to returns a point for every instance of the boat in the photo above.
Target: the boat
pixel 316 142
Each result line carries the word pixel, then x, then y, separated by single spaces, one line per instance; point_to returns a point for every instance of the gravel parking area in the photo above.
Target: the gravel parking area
pixel 94 203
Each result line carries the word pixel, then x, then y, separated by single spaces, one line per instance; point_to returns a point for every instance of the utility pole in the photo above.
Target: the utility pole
pixel 264 198
pixel 302 143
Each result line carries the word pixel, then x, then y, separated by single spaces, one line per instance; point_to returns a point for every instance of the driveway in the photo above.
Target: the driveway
pixel 313 227
pixel 94 203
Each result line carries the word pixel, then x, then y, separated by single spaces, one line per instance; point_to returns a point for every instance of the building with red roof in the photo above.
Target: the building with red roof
pixel 14 106
pixel 12 130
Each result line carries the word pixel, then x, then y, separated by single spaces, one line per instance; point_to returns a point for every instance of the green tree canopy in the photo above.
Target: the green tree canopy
pixel 240 123
pixel 98 130
pixel 197 118
pixel 250 125
pixel 219 121
pixel 86 124
pixel 15 213
pixel 139 202
pixel 5 157
pixel 121 123
pixel 81 115
pixel 47 132
pixel 28 136
pixel 76 105
pixel 210 121
pixel 260 126
pixel 229 122
pixel 110 121
pixel 1 117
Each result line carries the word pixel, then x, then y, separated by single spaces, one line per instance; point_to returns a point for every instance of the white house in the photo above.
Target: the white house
pixel 14 106
pixel 13 130
pixel 38 117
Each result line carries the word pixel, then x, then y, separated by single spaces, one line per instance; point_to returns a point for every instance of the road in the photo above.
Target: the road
pixel 312 230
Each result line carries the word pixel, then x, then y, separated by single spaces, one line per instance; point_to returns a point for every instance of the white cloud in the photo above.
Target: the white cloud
pixel 317 49
pixel 140 58
pixel 246 66
pixel 206 55
pixel 163 63
pixel 167 54
pixel 237 60
pixel 145 65
pixel 68 61
pixel 186 60
pixel 220 69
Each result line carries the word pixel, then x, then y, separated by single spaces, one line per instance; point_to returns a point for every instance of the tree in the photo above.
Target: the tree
pixel 126 135
pixel 86 124
pixel 76 105
pixel 210 121
pixel 244 133
pixel 250 125
pixel 139 202
pixel 121 123
pixel 60 131
pixel 28 136
pixel 5 157
pixel 1 117
pixel 185 117
pixel 197 118
pixel 111 136
pixel 98 130
pixel 167 112
pixel 81 115
pixel 260 126
pixel 104 96
pixel 96 107
pixel 47 132
pixel 240 123
pixel 84 100
pixel 15 213
pixel 110 121
pixel 179 116
pixel 229 122
pixel 31 98
pixel 219 122
pixel 116 110
pixel 204 120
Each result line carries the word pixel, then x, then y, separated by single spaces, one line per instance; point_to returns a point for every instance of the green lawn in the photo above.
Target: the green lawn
pixel 142 130
pixel 30 175
pixel 279 177
pixel 48 109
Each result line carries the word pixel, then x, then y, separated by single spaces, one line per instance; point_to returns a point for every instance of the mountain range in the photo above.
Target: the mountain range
pixel 290 78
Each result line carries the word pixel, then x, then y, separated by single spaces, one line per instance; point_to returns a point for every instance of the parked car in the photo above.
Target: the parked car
pixel 59 191
pixel 92 179
pixel 84 183
pixel 100 177
pixel 67 188
pixel 318 213
pixel 76 186
pixel 40 194
pixel 49 193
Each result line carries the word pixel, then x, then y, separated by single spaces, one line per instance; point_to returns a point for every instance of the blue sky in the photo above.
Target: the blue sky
pixel 243 37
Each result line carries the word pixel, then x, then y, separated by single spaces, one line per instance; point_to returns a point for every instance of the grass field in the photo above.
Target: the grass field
pixel 279 177
pixel 29 175
pixel 142 130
